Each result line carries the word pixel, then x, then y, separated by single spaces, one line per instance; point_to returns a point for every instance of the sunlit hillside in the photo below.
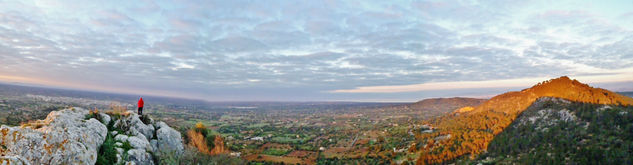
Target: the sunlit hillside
pixel 469 133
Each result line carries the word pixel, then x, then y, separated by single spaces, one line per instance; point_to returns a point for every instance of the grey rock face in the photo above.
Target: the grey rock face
pixel 64 137
pixel 121 137
pixel 169 140
pixel 139 156
pixel 139 142
pixel 154 144
pixel 105 119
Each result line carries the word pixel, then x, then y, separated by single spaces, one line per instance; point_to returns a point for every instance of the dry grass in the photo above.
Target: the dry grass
pixel 197 141
pixel 34 124
pixel 117 109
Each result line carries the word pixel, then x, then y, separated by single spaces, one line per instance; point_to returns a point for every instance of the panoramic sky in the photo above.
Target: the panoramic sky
pixel 315 50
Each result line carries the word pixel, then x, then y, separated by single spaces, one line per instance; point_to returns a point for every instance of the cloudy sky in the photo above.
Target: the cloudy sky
pixel 315 50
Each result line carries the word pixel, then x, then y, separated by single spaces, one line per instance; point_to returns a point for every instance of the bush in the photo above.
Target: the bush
pixel 126 146
pixel 146 119
pixel 201 128
pixel 107 152
pixel 210 141
pixel 94 114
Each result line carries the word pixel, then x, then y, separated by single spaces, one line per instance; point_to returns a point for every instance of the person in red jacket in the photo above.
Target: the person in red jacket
pixel 140 106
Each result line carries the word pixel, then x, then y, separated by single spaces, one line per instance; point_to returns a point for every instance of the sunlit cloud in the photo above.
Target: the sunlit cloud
pixel 625 76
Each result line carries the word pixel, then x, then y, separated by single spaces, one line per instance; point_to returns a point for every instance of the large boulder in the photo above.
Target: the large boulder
pixel 105 119
pixel 139 156
pixel 64 137
pixel 169 140
pixel 139 142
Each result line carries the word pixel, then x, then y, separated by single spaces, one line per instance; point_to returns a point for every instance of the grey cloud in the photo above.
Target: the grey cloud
pixel 301 47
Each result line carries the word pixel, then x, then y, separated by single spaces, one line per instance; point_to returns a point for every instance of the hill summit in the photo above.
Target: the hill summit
pixel 471 131
pixel 562 87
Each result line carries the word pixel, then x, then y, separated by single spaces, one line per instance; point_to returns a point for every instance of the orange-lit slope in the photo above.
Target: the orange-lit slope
pixel 473 130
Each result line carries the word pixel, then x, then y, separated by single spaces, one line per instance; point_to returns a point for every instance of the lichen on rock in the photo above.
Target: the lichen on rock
pixel 64 137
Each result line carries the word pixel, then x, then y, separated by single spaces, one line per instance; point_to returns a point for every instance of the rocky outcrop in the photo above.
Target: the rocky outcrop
pixel 64 137
pixel 133 125
pixel 74 136
pixel 146 139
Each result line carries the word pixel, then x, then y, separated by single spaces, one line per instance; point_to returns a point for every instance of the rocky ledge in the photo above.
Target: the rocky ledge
pixel 75 136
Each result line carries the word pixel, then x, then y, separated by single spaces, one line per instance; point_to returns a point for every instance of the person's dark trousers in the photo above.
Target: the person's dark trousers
pixel 140 111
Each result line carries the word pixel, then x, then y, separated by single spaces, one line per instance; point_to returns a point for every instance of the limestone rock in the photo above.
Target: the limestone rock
pixel 105 119
pixel 154 144
pixel 160 125
pixel 169 140
pixel 139 156
pixel 64 137
pixel 139 142
pixel 121 137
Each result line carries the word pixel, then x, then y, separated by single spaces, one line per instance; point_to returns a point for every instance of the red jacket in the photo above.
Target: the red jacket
pixel 140 102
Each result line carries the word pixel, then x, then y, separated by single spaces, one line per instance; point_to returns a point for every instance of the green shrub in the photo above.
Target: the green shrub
pixel 126 146
pixel 89 116
pixel 210 141
pixel 146 119
pixel 107 152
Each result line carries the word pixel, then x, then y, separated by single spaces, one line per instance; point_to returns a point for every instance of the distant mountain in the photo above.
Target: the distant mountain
pixel 470 132
pixel 430 108
pixel 22 89
pixel 630 94
pixel 557 131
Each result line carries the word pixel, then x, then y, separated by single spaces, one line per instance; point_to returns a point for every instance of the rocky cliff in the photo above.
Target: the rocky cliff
pixel 77 136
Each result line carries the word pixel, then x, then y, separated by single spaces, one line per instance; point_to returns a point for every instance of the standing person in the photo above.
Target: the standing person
pixel 140 106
